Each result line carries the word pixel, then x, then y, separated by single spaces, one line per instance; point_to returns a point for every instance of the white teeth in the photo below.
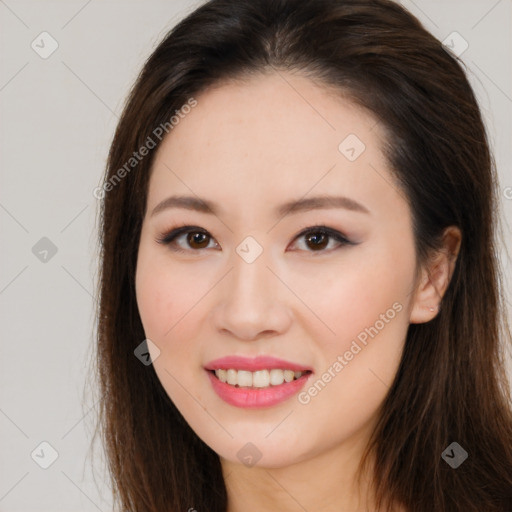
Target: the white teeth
pixel 258 379
pixel 244 378
pixel 232 377
pixel 276 377
pixel 289 375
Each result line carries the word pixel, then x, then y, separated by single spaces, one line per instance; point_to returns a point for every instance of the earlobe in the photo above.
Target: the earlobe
pixel 435 278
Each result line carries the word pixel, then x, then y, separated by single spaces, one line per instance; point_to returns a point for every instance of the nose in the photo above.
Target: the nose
pixel 252 301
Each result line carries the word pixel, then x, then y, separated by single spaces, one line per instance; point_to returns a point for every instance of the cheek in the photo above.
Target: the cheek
pixel 357 365
pixel 169 302
pixel 350 297
pixel 361 336
pixel 155 300
pixel 164 293
pixel 165 300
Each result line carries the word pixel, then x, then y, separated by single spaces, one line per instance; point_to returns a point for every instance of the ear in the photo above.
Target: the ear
pixel 435 277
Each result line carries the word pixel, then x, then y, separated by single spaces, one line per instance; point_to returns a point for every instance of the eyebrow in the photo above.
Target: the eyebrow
pixel 294 206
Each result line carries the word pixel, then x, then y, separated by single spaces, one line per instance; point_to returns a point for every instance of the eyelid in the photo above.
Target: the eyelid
pixel 321 228
pixel 169 236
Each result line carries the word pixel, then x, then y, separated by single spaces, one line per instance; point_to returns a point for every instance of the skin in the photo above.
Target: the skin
pixel 249 147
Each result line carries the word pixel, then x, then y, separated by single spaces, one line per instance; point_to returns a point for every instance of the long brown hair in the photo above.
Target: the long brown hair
pixel 451 385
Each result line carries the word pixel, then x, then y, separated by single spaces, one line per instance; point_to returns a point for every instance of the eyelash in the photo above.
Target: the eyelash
pixel 169 237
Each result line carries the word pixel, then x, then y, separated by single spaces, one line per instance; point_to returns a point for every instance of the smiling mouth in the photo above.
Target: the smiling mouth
pixel 258 379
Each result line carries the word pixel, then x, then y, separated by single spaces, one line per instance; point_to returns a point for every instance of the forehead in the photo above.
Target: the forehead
pixel 267 137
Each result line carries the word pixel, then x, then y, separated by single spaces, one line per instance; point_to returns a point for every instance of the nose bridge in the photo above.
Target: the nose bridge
pixel 251 302
pixel 251 278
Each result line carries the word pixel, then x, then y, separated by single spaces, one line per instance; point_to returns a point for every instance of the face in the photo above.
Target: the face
pixel 319 292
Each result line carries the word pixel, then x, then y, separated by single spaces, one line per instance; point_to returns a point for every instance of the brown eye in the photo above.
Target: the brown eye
pixel 192 239
pixel 199 238
pixel 317 238
pixel 317 241
pixel 187 239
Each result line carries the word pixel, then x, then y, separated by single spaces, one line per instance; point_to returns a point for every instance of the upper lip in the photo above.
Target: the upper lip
pixel 253 364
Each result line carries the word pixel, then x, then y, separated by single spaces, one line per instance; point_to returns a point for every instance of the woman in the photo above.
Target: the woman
pixel 298 232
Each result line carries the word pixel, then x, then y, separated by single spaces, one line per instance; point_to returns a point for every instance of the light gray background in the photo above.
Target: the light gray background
pixel 57 119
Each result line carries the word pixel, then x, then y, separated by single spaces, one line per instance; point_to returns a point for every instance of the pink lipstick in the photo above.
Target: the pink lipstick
pixel 257 382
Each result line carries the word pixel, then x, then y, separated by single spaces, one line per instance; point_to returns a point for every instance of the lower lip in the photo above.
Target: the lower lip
pixel 253 398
